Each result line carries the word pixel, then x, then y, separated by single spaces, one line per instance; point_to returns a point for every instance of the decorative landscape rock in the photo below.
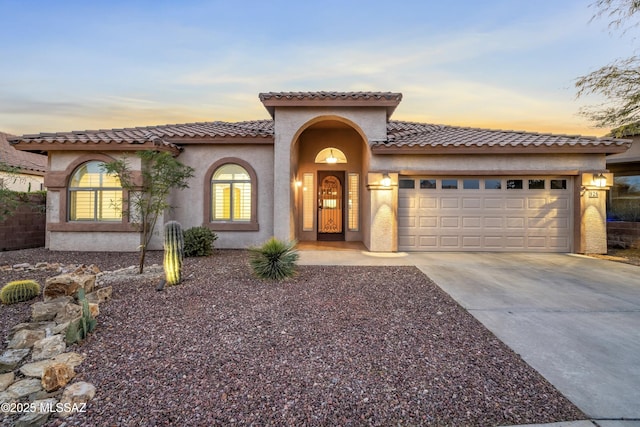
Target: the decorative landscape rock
pixel 32 326
pixel 56 376
pixel 77 393
pixel 68 313
pixel 68 285
pixel 100 295
pixel 6 380
pixel 36 369
pixel 11 358
pixel 42 311
pixel 25 338
pixel 32 419
pixel 94 309
pixel 7 397
pixel 49 347
pixel 25 387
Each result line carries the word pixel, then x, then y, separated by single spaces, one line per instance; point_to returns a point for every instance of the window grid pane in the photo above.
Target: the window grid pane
pixel 354 202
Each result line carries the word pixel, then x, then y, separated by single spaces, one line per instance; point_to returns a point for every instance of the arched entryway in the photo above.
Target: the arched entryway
pixel 329 156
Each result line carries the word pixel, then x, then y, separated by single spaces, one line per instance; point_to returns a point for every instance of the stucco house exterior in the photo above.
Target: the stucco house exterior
pixel 334 166
pixel 29 167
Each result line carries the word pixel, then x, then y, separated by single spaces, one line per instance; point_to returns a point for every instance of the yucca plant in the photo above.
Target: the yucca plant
pixel 18 291
pixel 274 260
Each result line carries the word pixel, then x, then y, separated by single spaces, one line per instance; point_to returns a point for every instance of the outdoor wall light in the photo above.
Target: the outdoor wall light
pixel 599 180
pixel 386 180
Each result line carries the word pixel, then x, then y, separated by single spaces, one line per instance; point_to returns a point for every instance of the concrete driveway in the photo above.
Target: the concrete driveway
pixel 575 319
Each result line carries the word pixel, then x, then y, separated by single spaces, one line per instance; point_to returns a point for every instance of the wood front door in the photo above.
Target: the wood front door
pixel 330 205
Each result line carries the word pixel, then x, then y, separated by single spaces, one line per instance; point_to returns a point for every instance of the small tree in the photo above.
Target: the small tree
pixel 161 173
pixel 619 81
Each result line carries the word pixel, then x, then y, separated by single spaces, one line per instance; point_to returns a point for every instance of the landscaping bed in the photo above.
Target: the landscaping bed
pixel 334 346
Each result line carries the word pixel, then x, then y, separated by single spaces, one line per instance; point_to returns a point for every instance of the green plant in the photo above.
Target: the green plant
pixel 198 241
pixel 161 173
pixel 80 328
pixel 173 252
pixel 18 291
pixel 275 260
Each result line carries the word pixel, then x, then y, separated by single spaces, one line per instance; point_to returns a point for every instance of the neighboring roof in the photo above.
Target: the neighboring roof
pixel 144 137
pixel 271 100
pixel 402 137
pixel 24 161
pixel 416 138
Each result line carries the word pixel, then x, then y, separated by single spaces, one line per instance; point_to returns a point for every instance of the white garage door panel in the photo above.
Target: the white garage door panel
pixel 505 219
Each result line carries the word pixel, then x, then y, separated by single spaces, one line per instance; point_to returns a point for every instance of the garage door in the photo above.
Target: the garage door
pixel 485 214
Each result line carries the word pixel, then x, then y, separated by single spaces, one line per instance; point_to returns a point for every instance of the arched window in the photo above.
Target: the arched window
pixel 94 195
pixel 231 194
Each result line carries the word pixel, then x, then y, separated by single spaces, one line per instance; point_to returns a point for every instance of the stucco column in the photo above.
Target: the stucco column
pixel 383 213
pixel 593 216
pixel 283 224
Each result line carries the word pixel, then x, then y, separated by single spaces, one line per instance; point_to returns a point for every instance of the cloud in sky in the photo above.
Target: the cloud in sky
pixel 502 63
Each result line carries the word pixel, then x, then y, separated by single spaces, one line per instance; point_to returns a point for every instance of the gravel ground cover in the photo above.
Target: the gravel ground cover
pixel 334 346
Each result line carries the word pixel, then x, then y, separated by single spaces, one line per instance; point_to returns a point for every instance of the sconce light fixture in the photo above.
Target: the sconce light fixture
pixel 386 180
pixel 599 180
pixel 331 159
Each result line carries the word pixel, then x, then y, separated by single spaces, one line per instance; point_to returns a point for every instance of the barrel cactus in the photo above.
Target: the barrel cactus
pixel 173 252
pixel 18 291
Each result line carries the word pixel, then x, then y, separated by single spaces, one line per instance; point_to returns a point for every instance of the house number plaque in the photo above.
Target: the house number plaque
pixel 593 194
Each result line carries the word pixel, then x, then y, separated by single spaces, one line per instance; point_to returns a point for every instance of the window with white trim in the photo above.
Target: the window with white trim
pixel 231 194
pixel 94 195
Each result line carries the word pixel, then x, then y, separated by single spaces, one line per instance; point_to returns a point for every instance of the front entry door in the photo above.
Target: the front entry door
pixel 330 205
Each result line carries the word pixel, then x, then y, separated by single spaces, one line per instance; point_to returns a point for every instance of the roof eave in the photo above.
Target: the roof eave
pixel 45 147
pixel 497 149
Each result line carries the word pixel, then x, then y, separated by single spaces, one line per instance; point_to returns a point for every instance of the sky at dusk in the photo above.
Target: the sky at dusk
pixel 502 64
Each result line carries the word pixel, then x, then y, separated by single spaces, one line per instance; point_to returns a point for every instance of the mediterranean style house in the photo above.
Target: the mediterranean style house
pixel 334 166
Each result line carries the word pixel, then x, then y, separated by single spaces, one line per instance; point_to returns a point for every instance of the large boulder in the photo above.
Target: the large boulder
pixel 68 285
pixel 49 347
pixel 56 376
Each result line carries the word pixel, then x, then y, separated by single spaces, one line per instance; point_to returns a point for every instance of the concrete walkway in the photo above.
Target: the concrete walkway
pixel 574 319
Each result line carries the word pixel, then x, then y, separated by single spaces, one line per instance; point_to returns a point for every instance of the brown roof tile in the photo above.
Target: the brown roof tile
pixel 142 135
pixel 20 159
pixel 427 138
pixel 332 96
pixel 402 137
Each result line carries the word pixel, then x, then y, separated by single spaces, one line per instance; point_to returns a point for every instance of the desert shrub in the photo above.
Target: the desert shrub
pixel 198 241
pixel 19 291
pixel 274 260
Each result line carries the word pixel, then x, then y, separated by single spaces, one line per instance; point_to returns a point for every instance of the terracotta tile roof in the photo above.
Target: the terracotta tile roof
pixel 332 96
pixel 142 135
pixel 20 159
pixel 388 100
pixel 428 138
pixel 402 137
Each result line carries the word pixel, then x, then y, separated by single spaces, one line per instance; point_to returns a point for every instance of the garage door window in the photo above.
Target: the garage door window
pixel 407 183
pixel 427 183
pixel 514 184
pixel 558 184
pixel 449 184
pixel 492 184
pixel 471 184
pixel 536 184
